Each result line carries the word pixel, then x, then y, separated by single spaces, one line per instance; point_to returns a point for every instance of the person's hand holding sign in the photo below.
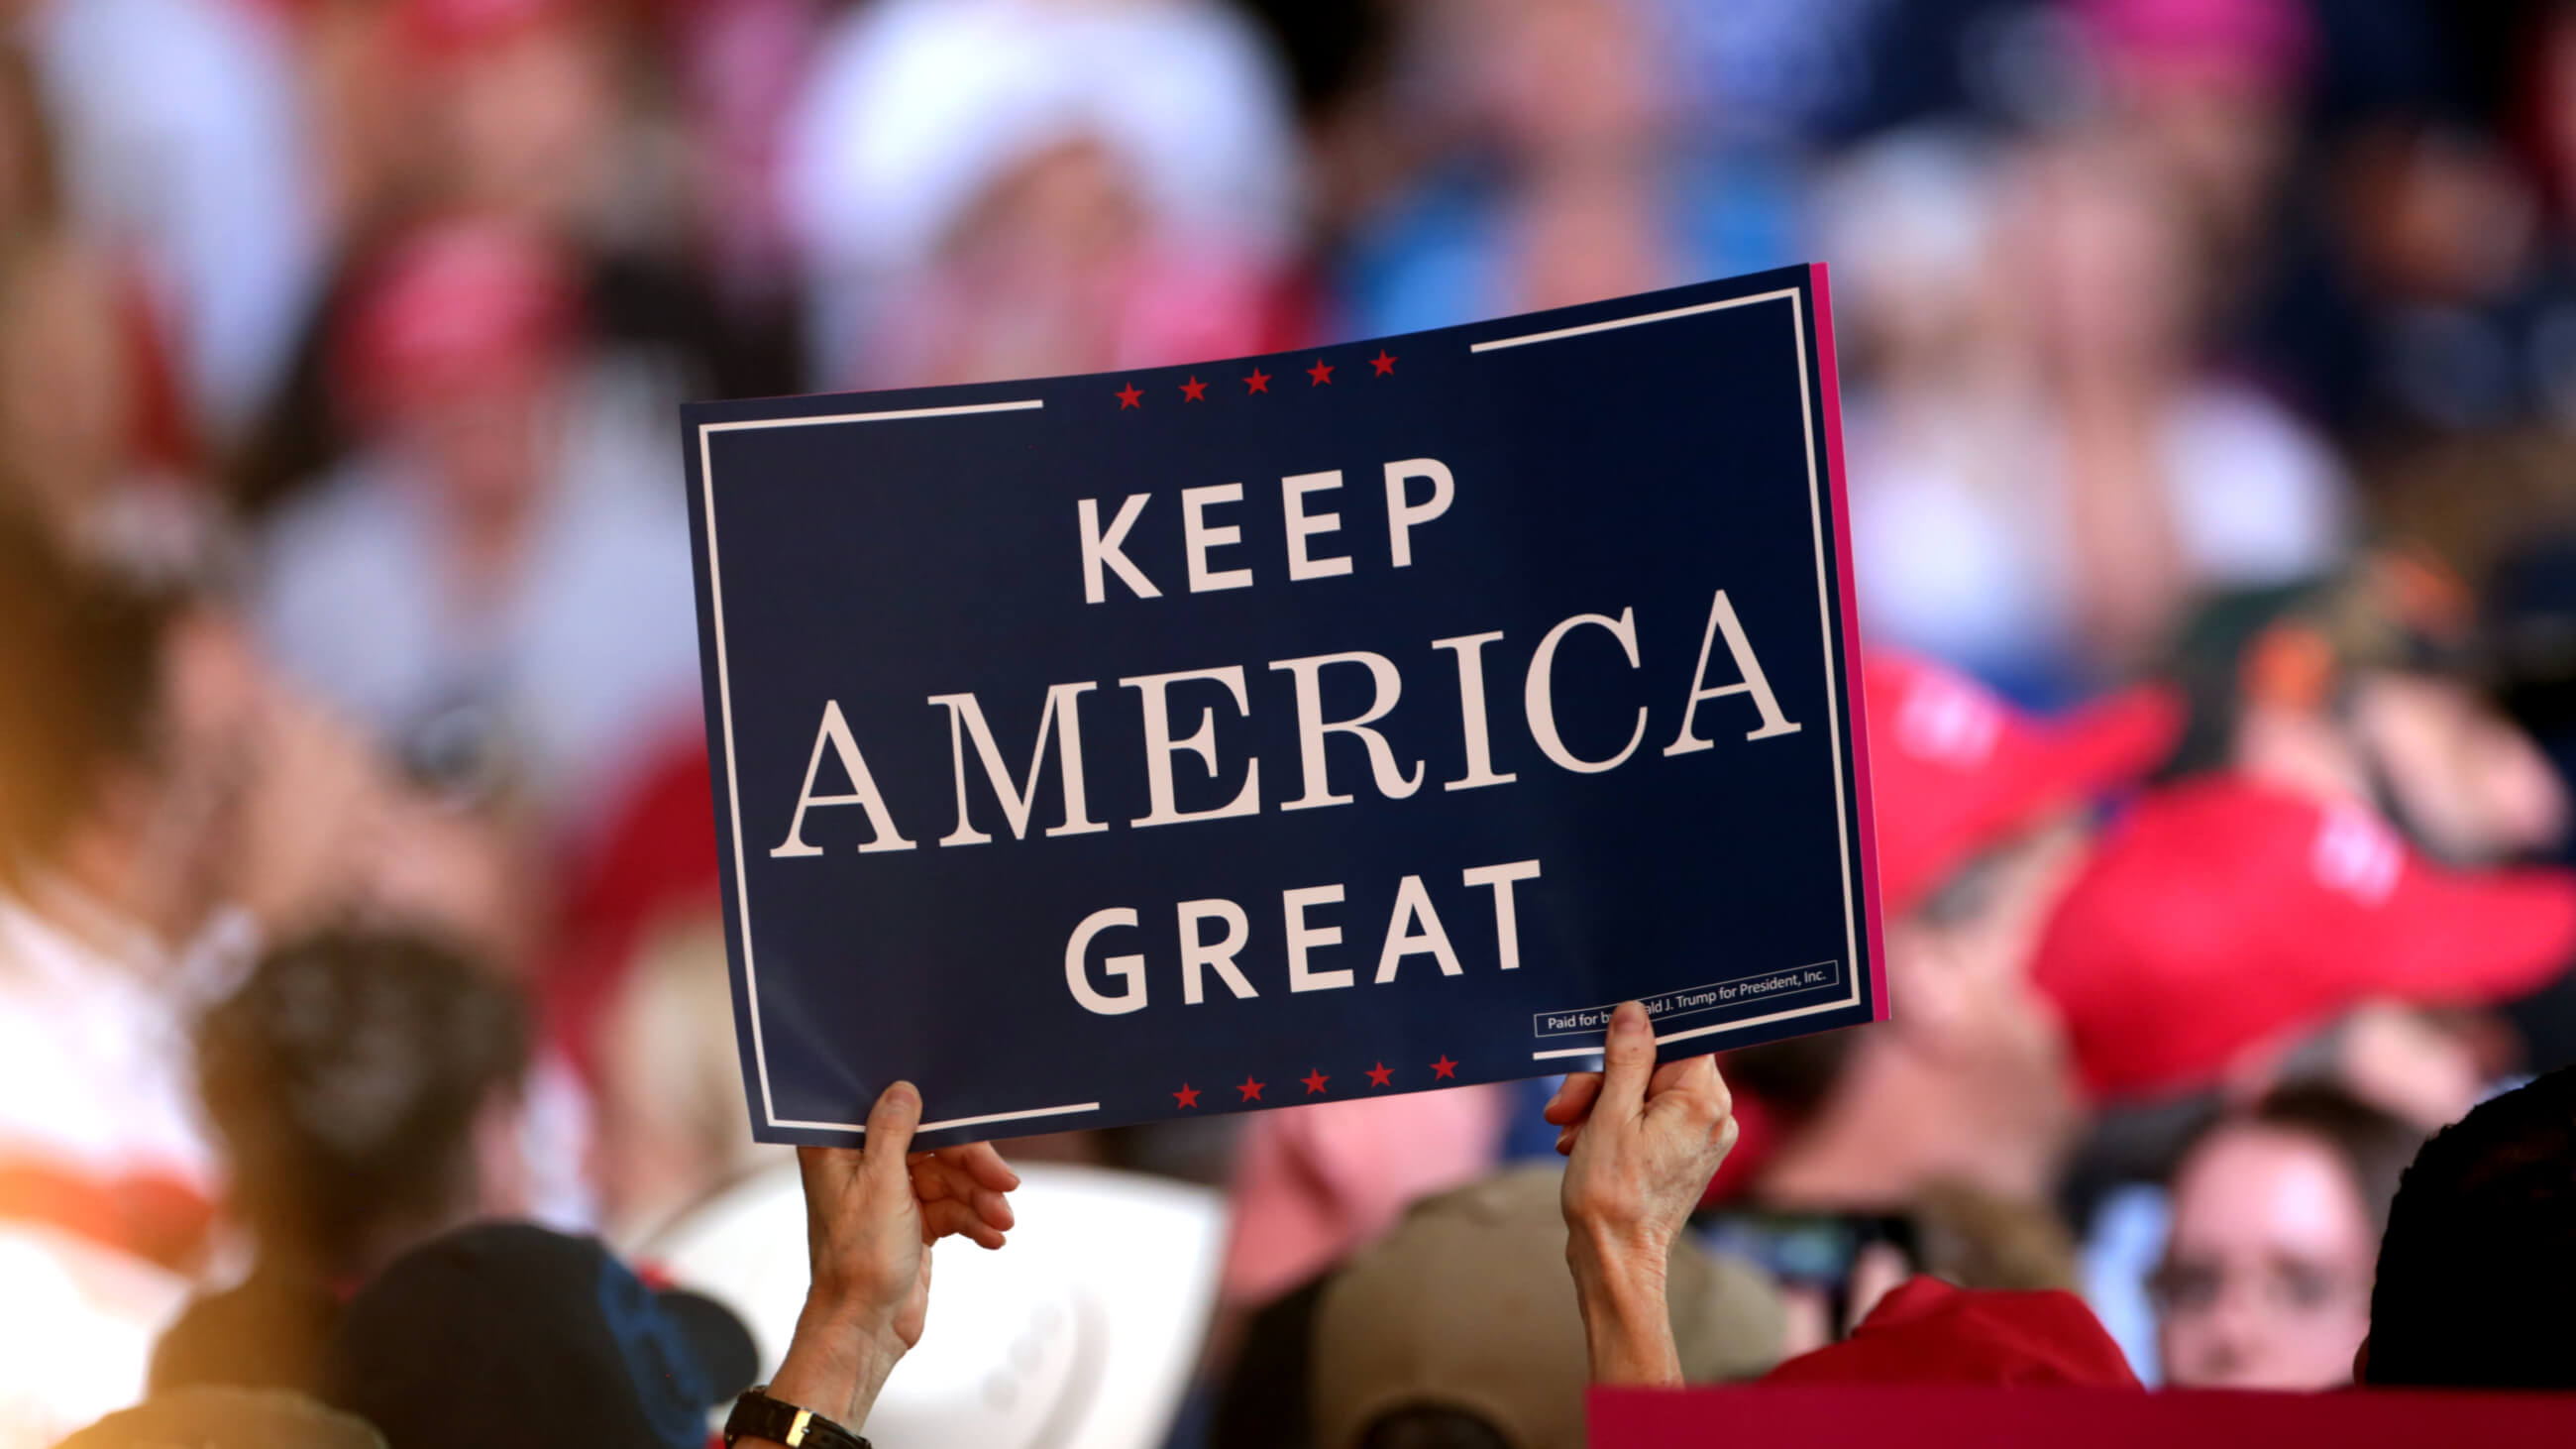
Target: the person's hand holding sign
pixel 871 1215
pixel 1642 1142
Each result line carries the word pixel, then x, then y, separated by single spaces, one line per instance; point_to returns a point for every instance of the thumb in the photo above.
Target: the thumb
pixel 891 1123
pixel 1627 1062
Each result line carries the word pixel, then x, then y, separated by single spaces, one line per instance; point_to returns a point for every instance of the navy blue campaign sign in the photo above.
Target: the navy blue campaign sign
pixel 1105 749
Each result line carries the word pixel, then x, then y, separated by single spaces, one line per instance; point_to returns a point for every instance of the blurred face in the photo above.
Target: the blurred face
pixel 2225 138
pixel 2472 785
pixel 2266 1282
pixel 2441 217
pixel 174 820
pixel 1564 79
pixel 1961 966
pixel 526 124
pixel 1032 277
pixel 2107 265
pixel 1966 1013
pixel 482 444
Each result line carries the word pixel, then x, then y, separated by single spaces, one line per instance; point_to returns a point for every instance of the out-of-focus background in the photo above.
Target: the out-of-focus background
pixel 344 576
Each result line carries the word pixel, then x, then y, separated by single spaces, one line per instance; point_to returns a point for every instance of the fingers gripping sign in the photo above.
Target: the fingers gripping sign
pixel 1641 1143
pixel 871 1216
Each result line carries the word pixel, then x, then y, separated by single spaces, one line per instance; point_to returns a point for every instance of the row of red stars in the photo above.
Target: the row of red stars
pixel 1319 375
pixel 1380 1075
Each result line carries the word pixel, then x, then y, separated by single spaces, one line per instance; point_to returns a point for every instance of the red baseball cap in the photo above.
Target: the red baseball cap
pixel 2222 915
pixel 1956 770
pixel 470 301
pixel 1929 1332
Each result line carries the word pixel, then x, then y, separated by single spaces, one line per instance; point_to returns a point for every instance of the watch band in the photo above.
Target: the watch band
pixel 756 1413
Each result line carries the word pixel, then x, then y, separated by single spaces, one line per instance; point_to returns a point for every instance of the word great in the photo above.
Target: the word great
pixel 1413 928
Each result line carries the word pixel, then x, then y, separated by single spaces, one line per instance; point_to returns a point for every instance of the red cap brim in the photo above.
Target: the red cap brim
pixel 2473 940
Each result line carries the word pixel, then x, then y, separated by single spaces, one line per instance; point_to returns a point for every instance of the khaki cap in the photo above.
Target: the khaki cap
pixel 1467 1304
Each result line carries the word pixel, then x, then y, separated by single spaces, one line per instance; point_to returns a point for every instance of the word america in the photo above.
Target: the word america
pixel 1061 716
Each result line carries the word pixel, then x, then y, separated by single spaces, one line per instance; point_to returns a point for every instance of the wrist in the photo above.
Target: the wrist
pixel 1622 1259
pixel 837 1360
pixel 1619 1285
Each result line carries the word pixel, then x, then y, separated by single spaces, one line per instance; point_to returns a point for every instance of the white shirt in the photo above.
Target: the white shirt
pixel 97 1075
pixel 591 655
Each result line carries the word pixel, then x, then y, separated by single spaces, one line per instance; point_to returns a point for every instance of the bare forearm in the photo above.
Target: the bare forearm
pixel 1627 1325
pixel 835 1365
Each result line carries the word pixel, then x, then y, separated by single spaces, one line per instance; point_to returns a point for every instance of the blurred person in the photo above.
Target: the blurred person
pixel 1982 820
pixel 1933 1141
pixel 364 1089
pixel 518 106
pixel 2277 1213
pixel 506 1334
pixel 2230 937
pixel 551 115
pixel 117 730
pixel 2214 90
pixel 94 432
pixel 1573 178
pixel 2368 686
pixel 2223 923
pixel 2480 1252
pixel 163 801
pixel 1000 188
pixel 2461 300
pixel 2043 480
pixel 485 587
pixel 185 144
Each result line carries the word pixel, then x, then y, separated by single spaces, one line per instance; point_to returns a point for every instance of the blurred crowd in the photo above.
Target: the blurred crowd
pixel 2210 380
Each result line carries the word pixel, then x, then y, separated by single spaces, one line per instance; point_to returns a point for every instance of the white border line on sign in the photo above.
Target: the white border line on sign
pixel 733 790
pixel 1642 319
pixel 1825 614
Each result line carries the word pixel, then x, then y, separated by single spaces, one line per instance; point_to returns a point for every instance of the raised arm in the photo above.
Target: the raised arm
pixel 871 1215
pixel 1642 1142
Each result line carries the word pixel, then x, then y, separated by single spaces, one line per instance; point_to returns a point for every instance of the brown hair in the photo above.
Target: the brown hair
pixel 2373 1146
pixel 80 688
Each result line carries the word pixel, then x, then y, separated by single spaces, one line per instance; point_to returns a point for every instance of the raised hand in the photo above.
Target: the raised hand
pixel 1642 1142
pixel 871 1215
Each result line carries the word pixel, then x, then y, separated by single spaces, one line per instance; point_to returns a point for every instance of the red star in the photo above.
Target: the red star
pixel 1445 1067
pixel 1187 1096
pixel 1128 397
pixel 1251 1089
pixel 1382 362
pixel 1258 382
pixel 1380 1075
pixel 1194 390
pixel 1314 1081
pixel 1321 372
